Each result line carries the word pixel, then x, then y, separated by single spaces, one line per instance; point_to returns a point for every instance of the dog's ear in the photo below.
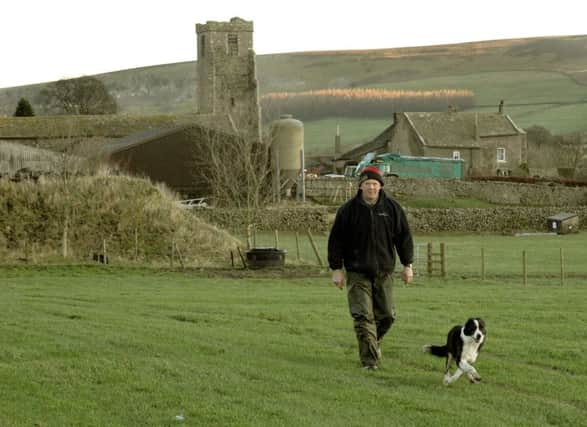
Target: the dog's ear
pixel 481 322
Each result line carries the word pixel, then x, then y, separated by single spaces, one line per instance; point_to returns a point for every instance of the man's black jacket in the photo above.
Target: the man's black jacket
pixel 363 237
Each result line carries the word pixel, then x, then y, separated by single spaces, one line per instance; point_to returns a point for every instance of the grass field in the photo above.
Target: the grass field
pixel 139 347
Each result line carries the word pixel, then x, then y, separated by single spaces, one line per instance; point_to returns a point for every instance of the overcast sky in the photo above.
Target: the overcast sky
pixel 46 40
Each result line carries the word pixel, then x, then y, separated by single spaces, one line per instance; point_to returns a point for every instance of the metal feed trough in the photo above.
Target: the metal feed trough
pixel 265 258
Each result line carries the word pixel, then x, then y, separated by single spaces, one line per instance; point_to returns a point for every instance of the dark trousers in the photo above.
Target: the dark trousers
pixel 372 309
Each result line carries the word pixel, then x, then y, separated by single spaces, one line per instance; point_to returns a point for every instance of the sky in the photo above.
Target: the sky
pixel 48 40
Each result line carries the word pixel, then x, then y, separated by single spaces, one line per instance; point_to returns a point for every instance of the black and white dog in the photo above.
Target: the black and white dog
pixel 463 345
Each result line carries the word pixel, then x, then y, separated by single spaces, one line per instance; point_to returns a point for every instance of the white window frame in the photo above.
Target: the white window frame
pixel 501 155
pixel 456 155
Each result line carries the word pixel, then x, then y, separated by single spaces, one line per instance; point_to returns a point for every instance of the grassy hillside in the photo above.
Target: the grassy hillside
pixel 543 81
pixel 68 220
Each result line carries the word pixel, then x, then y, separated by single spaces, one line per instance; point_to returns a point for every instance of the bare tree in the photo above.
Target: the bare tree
pixel 84 95
pixel 235 169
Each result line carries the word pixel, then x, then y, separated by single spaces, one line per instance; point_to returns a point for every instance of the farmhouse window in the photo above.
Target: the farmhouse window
pixel 232 44
pixel 456 155
pixel 501 155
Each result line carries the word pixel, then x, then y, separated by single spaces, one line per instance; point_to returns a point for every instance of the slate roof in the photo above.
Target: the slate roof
pixel 139 138
pixel 444 129
pixel 450 129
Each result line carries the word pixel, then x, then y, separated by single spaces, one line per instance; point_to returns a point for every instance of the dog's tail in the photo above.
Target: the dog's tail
pixel 435 350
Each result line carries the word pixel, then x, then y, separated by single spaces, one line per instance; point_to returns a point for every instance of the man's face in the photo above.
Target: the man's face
pixel 370 189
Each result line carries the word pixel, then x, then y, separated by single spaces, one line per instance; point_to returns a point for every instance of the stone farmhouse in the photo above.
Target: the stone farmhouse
pixel 489 143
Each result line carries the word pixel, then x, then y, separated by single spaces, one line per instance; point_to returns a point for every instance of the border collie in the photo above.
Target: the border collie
pixel 463 345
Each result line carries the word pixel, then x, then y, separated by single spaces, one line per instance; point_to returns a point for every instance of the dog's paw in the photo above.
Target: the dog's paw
pixel 447 379
pixel 474 378
pixel 426 348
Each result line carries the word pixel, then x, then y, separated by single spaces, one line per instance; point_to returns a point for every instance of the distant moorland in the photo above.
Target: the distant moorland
pixel 543 81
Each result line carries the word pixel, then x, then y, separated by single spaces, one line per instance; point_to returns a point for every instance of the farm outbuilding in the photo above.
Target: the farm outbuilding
pixel 563 223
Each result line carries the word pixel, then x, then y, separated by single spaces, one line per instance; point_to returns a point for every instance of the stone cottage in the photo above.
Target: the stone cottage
pixel 489 143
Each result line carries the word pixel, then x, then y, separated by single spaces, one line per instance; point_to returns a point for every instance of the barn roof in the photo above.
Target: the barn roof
pixel 151 135
pixel 139 138
pixel 374 145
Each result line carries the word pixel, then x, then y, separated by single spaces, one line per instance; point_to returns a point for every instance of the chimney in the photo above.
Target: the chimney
pixel 501 107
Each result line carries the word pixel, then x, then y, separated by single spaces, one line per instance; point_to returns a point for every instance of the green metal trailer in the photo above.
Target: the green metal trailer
pixel 393 164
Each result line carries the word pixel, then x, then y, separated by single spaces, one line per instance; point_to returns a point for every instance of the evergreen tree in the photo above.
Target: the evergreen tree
pixel 24 109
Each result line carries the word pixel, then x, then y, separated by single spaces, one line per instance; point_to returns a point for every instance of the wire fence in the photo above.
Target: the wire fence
pixel 524 259
pixel 550 258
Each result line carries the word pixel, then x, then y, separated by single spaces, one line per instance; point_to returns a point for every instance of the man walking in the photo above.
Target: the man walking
pixel 367 232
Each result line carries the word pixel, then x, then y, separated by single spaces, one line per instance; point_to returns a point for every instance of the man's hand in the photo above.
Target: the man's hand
pixel 407 274
pixel 338 278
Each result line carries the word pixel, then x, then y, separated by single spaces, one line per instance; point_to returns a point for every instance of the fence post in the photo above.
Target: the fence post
pixel 524 268
pixel 240 254
pixel 171 253
pixel 442 261
pixel 179 255
pixel 26 251
pixel 562 259
pixel 315 248
pixel 276 239
pixel 429 259
pixel 64 240
pixel 249 238
pixel 298 245
pixel 482 263
pixel 136 244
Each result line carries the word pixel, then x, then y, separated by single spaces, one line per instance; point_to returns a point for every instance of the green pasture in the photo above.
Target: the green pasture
pixel 512 86
pixel 126 347
pixel 319 135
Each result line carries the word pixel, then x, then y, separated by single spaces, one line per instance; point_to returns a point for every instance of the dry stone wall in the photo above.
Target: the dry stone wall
pixel 493 220
pixel 283 219
pixel 526 210
pixel 503 193
pixel 319 219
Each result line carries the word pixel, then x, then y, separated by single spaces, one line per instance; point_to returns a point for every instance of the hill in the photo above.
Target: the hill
pixel 543 81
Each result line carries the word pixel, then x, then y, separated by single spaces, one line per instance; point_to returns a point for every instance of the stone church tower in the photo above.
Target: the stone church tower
pixel 227 75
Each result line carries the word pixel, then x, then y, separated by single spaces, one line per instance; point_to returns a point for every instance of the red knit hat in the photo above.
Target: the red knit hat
pixel 371 172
